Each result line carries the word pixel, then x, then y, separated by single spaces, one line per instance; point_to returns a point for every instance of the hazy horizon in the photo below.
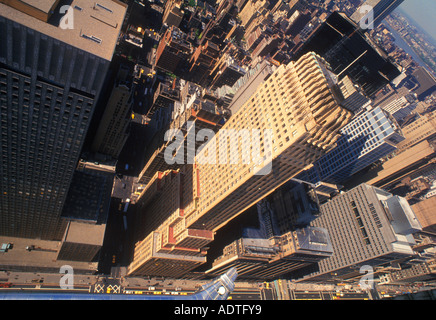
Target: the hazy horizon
pixel 423 12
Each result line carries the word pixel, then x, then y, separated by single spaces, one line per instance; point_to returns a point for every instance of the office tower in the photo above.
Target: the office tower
pixel 297 105
pixel 225 72
pixel 173 51
pixel 399 103
pixel 367 226
pixel 351 53
pixel 217 29
pixel 380 10
pixel 247 85
pixel 167 93
pixel 294 205
pixel 422 272
pixel 50 79
pixel 113 130
pixel 297 21
pixel 410 162
pixel 352 96
pixel 281 104
pixel 173 13
pixel 423 128
pixel 89 196
pixel 202 61
pixel 196 115
pixel 370 136
pixel 170 250
pixel 81 242
pixel 389 94
pixel 268 259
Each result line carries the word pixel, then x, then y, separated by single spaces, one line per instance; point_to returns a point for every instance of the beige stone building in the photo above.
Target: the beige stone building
pixel 421 129
pixel 297 119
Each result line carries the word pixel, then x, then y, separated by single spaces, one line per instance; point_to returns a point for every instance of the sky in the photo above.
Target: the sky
pixel 423 12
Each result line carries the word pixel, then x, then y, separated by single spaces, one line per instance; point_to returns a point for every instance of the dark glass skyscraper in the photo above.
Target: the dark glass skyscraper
pixel 351 52
pixel 50 79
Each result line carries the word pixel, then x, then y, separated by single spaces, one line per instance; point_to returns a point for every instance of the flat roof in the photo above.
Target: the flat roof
pixel 85 233
pixel 96 24
pixel 43 256
pixel 44 6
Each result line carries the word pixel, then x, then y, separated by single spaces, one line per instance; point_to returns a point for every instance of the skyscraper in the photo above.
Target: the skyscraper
pixel 370 136
pixel 268 259
pixel 202 61
pixel 298 108
pixel 225 72
pixel 196 115
pixel 367 226
pixel 50 79
pixel 381 9
pixel 297 105
pixel 173 51
pixel 113 130
pixel 352 53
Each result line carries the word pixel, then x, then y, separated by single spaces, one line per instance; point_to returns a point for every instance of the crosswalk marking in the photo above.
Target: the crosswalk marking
pixel 103 288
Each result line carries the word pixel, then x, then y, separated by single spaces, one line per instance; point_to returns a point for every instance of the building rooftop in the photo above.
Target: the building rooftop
pixel 96 25
pixel 44 6
pixel 42 257
pixel 401 215
pixel 78 232
pixel 314 239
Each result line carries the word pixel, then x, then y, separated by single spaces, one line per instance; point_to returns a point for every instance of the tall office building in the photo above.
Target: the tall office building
pixel 202 61
pixel 423 128
pixel 113 129
pixel 297 105
pixel 248 84
pixel 173 13
pixel 352 53
pixel 367 226
pixel 298 108
pixel 225 72
pixel 173 51
pixel 370 136
pixel 196 115
pixel 268 259
pixel 411 162
pixel 50 79
pixel 399 103
pixel 424 272
pixel 381 9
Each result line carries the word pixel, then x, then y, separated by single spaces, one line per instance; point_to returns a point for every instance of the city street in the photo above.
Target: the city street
pixel 104 284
